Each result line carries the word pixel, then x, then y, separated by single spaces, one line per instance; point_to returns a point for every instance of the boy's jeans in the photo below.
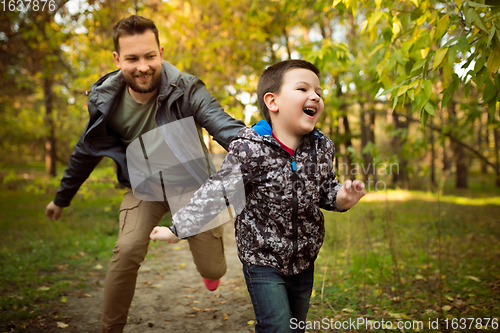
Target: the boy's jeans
pixel 277 298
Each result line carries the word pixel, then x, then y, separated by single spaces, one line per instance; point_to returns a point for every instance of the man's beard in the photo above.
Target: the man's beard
pixel 155 82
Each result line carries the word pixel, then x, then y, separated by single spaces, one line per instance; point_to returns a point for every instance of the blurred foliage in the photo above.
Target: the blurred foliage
pixel 386 66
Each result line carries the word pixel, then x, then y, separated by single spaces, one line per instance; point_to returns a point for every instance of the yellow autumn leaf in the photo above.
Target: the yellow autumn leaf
pixel 438 58
pixel 251 322
pixel 446 308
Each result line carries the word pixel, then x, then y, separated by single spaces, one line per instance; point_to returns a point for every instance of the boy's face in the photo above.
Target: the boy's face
pixel 297 107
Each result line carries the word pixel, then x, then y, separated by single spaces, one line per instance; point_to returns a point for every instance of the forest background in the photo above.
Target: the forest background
pixel 411 92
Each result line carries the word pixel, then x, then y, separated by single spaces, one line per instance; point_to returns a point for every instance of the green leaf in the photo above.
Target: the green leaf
pixel 387 91
pixel 427 88
pixel 419 64
pixel 395 102
pixel 374 19
pixel 402 90
pixel 399 57
pixel 478 66
pixel 463 44
pixel 429 109
pixel 424 116
pixel 442 26
pixel 438 58
pixel 492 34
pixel 452 54
pixel 411 94
pixel 469 16
pixel 490 91
pixel 473 16
pixel 475 4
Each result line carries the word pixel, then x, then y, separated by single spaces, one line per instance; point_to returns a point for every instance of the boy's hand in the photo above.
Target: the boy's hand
pixel 163 234
pixel 350 193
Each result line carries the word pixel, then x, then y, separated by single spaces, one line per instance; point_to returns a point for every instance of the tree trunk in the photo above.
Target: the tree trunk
pixel 480 143
pixel 50 139
pixel 433 157
pixel 348 143
pixel 459 155
pixel 397 141
pixel 496 147
pixel 366 137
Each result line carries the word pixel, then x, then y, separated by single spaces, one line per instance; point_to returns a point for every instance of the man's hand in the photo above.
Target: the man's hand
pixel 350 193
pixel 53 211
pixel 163 234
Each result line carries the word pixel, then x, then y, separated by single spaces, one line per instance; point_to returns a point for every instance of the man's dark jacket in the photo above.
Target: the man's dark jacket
pixel 180 96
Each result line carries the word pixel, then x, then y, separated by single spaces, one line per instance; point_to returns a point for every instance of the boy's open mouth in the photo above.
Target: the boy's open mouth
pixel 310 111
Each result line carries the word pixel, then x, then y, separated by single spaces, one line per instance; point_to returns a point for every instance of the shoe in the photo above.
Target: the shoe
pixel 211 284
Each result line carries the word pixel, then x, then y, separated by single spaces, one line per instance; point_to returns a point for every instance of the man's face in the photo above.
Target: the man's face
pixel 140 60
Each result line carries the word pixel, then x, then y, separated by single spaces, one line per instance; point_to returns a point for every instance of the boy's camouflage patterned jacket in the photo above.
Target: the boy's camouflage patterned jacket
pixel 280 223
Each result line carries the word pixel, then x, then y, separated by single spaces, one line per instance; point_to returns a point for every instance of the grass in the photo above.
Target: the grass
pixel 407 255
pixel 42 261
pixel 398 255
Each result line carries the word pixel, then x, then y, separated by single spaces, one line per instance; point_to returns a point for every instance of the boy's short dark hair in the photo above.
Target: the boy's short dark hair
pixel 271 80
pixel 133 25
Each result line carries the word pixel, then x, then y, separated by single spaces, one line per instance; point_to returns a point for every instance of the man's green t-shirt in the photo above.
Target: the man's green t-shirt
pixel 132 119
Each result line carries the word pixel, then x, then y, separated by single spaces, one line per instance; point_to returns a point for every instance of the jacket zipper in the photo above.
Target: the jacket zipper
pixel 295 208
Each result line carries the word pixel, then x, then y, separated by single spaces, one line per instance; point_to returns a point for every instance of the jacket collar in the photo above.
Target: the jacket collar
pixel 263 128
pixel 108 87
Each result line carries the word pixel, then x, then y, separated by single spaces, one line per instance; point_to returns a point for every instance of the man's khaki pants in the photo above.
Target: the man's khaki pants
pixel 137 220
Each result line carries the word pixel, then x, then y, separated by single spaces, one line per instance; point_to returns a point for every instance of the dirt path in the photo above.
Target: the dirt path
pixel 170 296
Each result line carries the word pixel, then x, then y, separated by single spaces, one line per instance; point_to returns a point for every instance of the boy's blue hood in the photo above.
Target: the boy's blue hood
pixel 263 128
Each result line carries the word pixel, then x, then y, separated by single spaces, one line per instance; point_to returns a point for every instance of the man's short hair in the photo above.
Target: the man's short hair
pixel 133 25
pixel 271 80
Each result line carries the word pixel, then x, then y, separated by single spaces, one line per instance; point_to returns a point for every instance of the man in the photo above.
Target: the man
pixel 145 92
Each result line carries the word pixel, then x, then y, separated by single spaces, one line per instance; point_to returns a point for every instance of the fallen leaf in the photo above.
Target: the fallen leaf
pixel 226 317
pixel 98 266
pixel 250 322
pixel 395 315
pixel 177 248
pixel 446 308
pixel 473 278
pixel 61 325
pixel 347 310
pixel 43 289
pixel 64 300
pixel 449 298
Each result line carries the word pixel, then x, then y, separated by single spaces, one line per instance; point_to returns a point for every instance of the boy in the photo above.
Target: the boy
pixel 286 168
